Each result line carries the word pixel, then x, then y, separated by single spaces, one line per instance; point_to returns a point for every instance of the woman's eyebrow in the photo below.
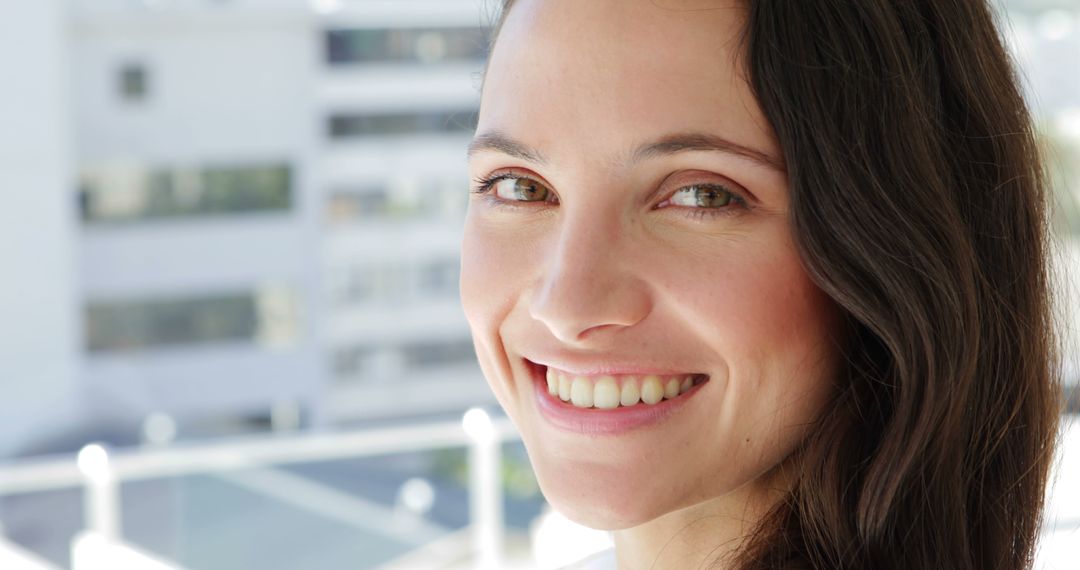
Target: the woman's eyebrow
pixel 681 142
pixel 500 142
pixel 667 145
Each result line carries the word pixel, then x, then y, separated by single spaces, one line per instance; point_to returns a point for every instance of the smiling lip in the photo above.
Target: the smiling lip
pixel 594 421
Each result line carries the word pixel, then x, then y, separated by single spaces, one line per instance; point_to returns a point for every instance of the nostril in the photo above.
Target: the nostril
pixel 581 301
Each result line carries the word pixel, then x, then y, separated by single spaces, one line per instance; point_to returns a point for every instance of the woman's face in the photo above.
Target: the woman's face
pixel 633 233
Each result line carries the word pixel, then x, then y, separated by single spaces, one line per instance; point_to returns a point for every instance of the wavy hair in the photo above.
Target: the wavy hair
pixel 918 205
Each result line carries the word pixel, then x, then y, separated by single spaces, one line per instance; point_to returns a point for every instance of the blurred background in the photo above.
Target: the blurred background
pixel 230 334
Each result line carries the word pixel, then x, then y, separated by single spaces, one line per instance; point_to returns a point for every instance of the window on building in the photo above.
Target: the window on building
pixel 367 361
pixel 440 278
pixel 133 82
pixel 122 193
pixel 367 202
pixel 412 45
pixel 354 125
pixel 264 317
pixel 399 199
pixel 1064 177
pixel 396 282
pixel 375 363
pixel 387 282
pixel 436 354
pixel 351 361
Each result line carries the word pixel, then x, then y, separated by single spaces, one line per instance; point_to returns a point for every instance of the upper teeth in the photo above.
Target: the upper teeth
pixel 607 392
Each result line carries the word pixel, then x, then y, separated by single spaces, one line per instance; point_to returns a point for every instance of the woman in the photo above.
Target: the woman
pixel 763 283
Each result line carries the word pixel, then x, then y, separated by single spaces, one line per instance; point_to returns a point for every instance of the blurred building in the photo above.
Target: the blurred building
pixel 198 209
pixel 261 203
pixel 39 312
pixel 1045 39
pixel 397 98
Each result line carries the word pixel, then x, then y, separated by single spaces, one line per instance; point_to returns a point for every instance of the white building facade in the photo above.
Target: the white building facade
pixel 39 317
pixel 250 204
pixel 398 93
pixel 194 150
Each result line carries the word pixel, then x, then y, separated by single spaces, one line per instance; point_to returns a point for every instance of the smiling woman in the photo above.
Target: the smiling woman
pixel 763 284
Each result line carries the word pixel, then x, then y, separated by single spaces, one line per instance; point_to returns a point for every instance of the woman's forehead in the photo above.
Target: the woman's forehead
pixel 613 73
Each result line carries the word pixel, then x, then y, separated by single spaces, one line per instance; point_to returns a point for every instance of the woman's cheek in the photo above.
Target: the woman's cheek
pixel 493 267
pixel 475 270
pixel 499 255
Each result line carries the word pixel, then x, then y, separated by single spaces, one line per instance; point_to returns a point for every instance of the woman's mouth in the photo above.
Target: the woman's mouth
pixel 609 403
pixel 607 392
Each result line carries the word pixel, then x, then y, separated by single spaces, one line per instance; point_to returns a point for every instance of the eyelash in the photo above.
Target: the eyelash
pixel 485 184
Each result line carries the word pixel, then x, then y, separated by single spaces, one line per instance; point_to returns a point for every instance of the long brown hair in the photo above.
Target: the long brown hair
pixel 918 204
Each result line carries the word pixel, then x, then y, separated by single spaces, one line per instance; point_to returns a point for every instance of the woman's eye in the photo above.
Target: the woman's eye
pixel 702 196
pixel 521 190
pixel 513 190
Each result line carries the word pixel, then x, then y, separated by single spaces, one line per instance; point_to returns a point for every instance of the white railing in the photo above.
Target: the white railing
pixel 100 471
pixel 15 556
pixel 92 551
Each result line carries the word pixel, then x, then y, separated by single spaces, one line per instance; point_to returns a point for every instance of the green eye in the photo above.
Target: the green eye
pixel 702 196
pixel 521 190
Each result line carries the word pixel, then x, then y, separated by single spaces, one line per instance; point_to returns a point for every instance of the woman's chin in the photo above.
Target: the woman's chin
pixel 601 504
pixel 597 515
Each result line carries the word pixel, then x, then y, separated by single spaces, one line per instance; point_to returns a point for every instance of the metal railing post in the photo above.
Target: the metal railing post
pixel 101 492
pixel 485 489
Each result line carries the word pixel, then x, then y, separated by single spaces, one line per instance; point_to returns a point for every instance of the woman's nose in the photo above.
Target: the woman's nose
pixel 589 286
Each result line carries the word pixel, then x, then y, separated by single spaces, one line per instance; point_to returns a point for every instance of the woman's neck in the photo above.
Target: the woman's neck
pixel 704 535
